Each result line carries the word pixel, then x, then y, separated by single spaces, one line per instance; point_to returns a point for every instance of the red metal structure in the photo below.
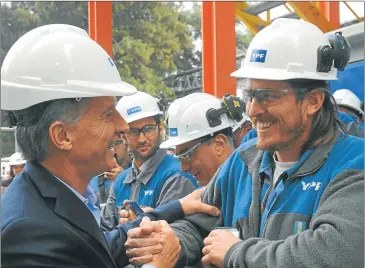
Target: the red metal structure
pixel 101 24
pixel 331 10
pixel 219 47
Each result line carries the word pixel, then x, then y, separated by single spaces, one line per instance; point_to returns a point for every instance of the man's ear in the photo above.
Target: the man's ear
pixel 315 101
pixel 219 144
pixel 61 135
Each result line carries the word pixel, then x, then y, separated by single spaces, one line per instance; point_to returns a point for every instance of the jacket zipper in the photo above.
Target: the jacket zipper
pixel 285 180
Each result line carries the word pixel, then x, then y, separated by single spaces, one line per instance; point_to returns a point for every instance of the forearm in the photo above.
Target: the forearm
pixel 116 240
pixel 191 232
pixel 169 212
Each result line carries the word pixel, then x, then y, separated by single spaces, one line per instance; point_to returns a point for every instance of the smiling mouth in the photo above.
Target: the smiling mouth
pixel 263 126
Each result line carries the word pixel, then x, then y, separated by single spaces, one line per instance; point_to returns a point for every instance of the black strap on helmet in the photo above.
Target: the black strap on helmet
pixel 26 117
pixel 162 102
pixel 231 105
pixel 338 53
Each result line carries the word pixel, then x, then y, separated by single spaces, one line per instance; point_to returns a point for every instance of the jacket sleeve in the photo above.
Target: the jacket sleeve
pixel 36 243
pixel 334 238
pixel 109 213
pixel 192 230
pixel 175 188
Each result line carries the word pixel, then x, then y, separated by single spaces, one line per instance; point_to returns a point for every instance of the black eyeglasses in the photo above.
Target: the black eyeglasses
pixel 148 130
pixel 269 97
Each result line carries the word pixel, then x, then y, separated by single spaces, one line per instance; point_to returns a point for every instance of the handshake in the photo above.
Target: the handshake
pixel 154 242
pixel 148 244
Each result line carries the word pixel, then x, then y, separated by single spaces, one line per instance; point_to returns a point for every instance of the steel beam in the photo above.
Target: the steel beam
pixel 331 10
pixel 309 12
pixel 101 24
pixel 219 47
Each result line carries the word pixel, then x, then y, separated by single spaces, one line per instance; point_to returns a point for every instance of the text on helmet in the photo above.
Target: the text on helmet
pixel 258 55
pixel 173 132
pixel 134 110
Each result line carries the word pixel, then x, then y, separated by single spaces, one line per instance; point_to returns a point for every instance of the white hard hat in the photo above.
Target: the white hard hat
pixel 285 49
pixel 187 119
pixel 244 119
pixel 140 105
pixel 57 61
pixel 348 99
pixel 16 159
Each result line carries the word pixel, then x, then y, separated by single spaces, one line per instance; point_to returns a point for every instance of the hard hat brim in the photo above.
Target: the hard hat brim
pixel 279 75
pixel 351 108
pixel 131 119
pixel 172 143
pixel 73 89
pixel 17 163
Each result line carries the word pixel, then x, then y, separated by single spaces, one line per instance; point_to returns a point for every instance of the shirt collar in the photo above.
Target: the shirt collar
pixel 89 195
pixel 147 169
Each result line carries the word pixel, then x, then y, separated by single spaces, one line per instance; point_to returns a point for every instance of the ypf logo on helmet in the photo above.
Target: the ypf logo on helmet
pixel 173 132
pixel 134 110
pixel 258 55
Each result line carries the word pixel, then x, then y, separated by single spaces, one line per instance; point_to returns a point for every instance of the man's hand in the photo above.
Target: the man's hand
pixel 142 247
pixel 128 215
pixel 192 204
pixel 170 252
pixel 113 173
pixel 144 241
pixel 216 246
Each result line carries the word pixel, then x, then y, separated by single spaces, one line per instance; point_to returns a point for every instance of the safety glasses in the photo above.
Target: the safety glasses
pixel 269 97
pixel 148 130
pixel 187 156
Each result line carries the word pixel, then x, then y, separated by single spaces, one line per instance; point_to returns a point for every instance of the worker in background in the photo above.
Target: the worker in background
pixel 202 145
pixel 350 112
pixel 16 164
pixel 292 197
pixel 171 151
pixel 155 178
pixel 101 183
pixel 241 129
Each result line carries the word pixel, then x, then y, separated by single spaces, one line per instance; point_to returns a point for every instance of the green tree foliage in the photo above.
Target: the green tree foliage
pixel 151 41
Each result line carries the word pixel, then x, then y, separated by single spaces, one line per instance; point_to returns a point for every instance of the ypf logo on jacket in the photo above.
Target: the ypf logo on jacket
pixel 311 185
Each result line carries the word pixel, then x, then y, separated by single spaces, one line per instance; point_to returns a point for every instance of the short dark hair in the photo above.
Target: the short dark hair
pixel 33 140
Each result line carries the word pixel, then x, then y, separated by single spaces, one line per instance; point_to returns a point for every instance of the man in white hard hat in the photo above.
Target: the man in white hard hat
pixel 202 145
pixel 16 164
pixel 350 112
pixel 293 196
pixel 58 87
pixel 155 178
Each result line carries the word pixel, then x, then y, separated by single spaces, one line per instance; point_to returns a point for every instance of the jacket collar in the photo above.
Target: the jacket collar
pixel 67 205
pixel 147 173
pixel 310 161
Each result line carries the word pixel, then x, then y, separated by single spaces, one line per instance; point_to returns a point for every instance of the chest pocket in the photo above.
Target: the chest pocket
pixel 294 208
